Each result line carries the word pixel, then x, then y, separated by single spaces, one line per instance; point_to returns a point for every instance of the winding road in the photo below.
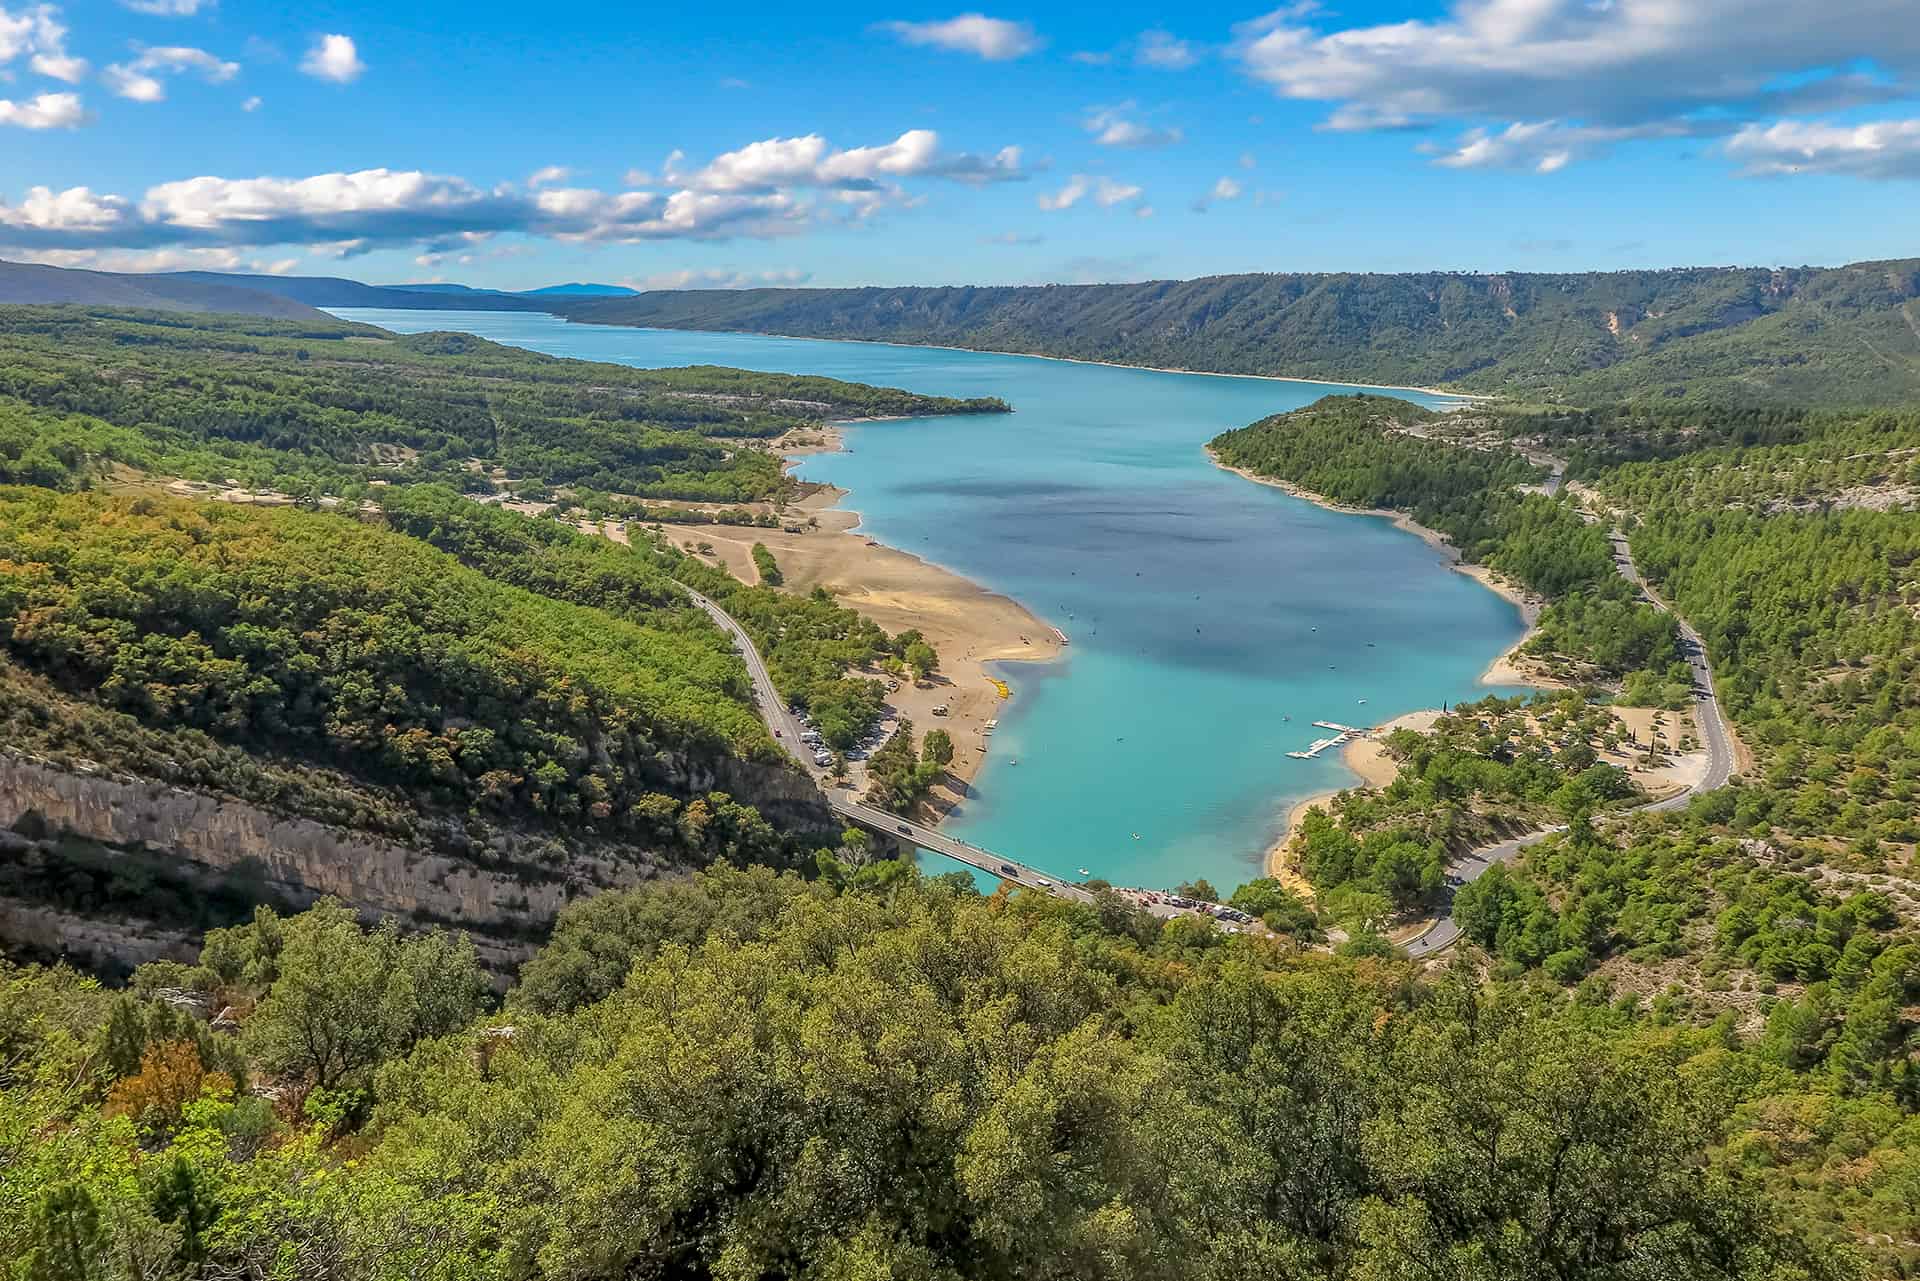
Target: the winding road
pixel 786 729
pixel 1714 733
pixel 1442 934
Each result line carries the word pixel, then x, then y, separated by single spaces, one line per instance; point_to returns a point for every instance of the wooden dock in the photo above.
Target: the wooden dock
pixel 1341 733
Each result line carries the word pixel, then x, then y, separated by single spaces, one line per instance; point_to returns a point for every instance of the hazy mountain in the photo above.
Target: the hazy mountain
pixel 578 290
pixel 332 291
pixel 22 282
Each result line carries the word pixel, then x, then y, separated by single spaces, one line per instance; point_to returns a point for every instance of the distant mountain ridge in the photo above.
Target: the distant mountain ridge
pixel 573 289
pixel 25 282
pixel 334 291
pixel 1840 335
pixel 1835 336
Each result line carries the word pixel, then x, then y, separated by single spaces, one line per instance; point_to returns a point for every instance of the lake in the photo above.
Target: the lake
pixel 1213 620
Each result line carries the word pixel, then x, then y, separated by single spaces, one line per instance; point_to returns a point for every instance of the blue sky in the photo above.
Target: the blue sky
pixel 832 144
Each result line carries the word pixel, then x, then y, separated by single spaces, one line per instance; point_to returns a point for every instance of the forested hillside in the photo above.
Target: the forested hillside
pixel 746 1075
pixel 307 638
pixel 323 407
pixel 1842 336
pixel 1783 909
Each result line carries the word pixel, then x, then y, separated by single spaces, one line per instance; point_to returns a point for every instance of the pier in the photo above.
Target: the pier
pixel 1341 733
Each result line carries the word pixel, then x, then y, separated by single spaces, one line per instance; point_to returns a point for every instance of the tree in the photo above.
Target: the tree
pixel 768 567
pixel 346 999
pixel 921 659
pixel 937 748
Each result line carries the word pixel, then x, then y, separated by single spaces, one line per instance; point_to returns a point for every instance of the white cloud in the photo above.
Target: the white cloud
pixel 168 8
pixel 1104 191
pixel 1623 61
pixel 1592 72
pixel 549 175
pixel 1224 189
pixel 1883 149
pixel 251 104
pixel 1247 161
pixel 335 58
pixel 1014 238
pixel 46 111
pixel 1164 51
pixel 61 66
pixel 75 209
pixel 140 81
pixel 712 279
pixel 809 161
pixel 134 86
pixel 1113 127
pixel 1548 146
pixel 994 39
pixel 38 34
pixel 772 188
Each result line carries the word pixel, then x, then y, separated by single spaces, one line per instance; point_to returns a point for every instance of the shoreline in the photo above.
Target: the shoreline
pixel 1034 355
pixel 1362 756
pixel 970 625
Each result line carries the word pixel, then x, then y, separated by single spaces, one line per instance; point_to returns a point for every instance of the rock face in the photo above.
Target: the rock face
pixel 43 933
pixel 508 898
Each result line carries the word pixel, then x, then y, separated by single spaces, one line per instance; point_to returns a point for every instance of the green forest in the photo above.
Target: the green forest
pixel 1716 336
pixel 329 408
pixel 1676 1044
pixel 746 1074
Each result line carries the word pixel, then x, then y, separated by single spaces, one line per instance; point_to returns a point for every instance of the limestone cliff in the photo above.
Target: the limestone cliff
pixel 508 894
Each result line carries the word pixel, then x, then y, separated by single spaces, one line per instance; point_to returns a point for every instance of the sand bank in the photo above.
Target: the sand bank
pixel 968 625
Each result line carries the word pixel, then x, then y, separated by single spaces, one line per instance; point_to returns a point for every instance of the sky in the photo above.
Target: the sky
pixel 731 145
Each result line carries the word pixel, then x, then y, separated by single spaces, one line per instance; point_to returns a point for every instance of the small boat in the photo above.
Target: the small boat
pixel 1085 872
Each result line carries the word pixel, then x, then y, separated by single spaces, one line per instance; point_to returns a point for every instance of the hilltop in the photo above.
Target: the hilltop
pixel 1843 335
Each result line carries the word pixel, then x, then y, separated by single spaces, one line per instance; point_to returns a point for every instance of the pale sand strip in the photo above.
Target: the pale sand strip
pixel 966 623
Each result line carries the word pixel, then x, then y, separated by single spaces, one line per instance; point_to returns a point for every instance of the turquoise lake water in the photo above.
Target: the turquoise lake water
pixel 1213 620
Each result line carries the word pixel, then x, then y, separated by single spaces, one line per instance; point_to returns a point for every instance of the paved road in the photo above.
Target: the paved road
pixel 787 728
pixel 848 806
pixel 1718 740
pixel 773 709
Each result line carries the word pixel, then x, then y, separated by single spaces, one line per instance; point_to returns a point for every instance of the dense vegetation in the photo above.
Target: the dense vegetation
pixel 306 636
pixel 746 1075
pixel 322 407
pixel 1836 336
pixel 1780 910
pixel 1485 771
pixel 812 644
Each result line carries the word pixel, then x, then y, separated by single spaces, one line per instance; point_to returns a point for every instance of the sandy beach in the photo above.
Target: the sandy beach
pixel 1367 757
pixel 968 625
